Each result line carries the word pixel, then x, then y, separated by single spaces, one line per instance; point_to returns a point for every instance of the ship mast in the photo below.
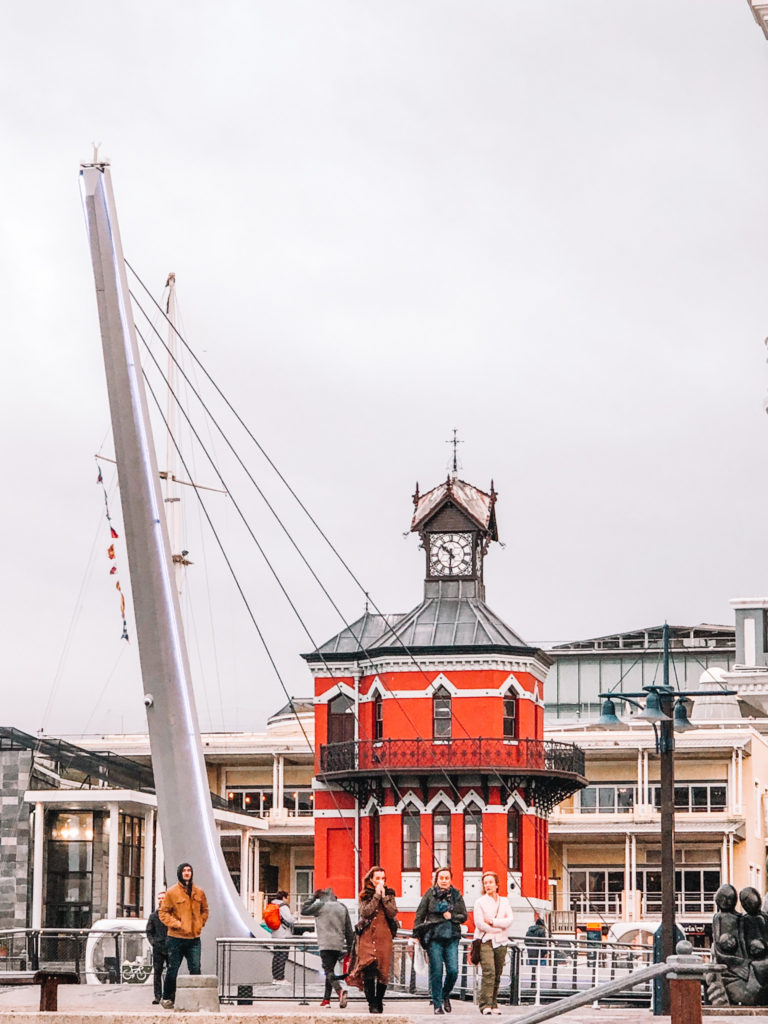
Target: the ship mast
pixel 183 796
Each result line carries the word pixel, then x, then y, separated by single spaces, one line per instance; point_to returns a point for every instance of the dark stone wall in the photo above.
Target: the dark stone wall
pixel 15 839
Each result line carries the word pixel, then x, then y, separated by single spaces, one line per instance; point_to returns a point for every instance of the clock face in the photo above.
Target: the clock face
pixel 450 554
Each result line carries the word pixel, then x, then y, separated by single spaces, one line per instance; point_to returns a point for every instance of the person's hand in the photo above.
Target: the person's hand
pixel 447 915
pixel 381 889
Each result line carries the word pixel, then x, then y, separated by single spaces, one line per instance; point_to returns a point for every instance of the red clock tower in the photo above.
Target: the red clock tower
pixel 429 731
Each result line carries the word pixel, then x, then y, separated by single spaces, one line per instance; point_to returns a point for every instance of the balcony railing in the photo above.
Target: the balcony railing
pixel 525 755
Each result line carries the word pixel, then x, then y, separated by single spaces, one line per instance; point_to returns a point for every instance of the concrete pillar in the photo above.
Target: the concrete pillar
pixel 245 882
pixel 112 860
pixel 37 866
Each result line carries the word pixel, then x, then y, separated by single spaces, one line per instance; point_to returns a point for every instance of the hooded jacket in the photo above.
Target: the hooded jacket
pixel 184 909
pixel 334 928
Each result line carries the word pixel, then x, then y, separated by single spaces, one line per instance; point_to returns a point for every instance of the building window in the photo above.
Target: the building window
pixel 510 715
pixel 411 838
pixel 299 802
pixel 376 839
pixel 250 800
pixel 69 869
pixel 616 798
pixel 378 721
pixel 596 892
pixel 695 797
pixel 473 838
pixel 341 719
pixel 441 833
pixel 131 865
pixel 441 714
pixel 513 839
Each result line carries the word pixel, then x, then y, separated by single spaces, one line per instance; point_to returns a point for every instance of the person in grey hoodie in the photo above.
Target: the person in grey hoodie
pixel 335 936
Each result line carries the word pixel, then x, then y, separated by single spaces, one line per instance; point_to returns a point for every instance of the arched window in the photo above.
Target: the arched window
pixel 411 837
pixel 378 722
pixel 510 715
pixel 341 719
pixel 473 838
pixel 441 714
pixel 441 835
pixel 375 836
pixel 513 839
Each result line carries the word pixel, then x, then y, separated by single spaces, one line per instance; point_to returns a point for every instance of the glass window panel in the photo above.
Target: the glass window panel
pixel 710 881
pixel 589 800
pixel 625 799
pixel 682 798
pixel 606 799
pixel 513 840
pixel 692 881
pixel 473 857
pixel 596 881
pixel 411 837
pixel 615 881
pixel 441 844
pixel 699 798
pixel 578 882
pixel 717 798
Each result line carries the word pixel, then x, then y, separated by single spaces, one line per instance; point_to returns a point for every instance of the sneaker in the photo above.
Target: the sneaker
pixel 447 1004
pixel 439 1009
pixel 325 1002
pixel 343 997
pixel 487 1011
pixel 155 1002
pixel 167 1004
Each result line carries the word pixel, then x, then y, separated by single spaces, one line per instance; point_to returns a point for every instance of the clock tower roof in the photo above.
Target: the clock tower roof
pixel 478 506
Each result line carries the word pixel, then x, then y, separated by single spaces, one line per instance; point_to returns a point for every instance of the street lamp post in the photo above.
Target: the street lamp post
pixel 664 708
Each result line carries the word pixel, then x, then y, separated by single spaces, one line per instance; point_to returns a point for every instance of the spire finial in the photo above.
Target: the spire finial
pixel 455 442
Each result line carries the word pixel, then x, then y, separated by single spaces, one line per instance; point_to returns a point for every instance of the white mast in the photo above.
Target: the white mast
pixel 181 782
pixel 172 498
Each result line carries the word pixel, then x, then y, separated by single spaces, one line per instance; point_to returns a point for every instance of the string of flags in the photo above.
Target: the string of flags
pixel 113 536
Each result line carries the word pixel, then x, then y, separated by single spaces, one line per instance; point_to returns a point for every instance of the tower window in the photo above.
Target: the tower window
pixel 473 838
pixel 510 715
pixel 441 833
pixel 378 722
pixel 411 837
pixel 513 839
pixel 441 714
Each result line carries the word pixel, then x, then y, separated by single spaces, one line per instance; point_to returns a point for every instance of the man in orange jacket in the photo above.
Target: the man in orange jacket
pixel 184 911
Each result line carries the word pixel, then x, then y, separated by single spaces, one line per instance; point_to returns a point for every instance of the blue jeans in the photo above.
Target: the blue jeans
pixel 178 950
pixel 439 953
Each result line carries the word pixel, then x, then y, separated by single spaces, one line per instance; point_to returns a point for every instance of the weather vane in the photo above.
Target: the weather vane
pixel 455 442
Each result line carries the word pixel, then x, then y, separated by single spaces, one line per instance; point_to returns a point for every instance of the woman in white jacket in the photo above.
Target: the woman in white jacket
pixel 493 917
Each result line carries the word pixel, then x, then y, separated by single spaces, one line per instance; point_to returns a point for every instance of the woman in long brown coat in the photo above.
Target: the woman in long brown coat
pixel 375 929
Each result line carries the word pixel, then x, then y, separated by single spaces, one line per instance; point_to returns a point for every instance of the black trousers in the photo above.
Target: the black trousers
pixel 159 964
pixel 329 958
pixel 374 988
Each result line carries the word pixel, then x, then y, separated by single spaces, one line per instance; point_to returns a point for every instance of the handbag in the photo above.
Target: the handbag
pixel 474 952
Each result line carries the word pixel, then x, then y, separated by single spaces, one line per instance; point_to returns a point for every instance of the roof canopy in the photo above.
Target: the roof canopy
pixel 474 503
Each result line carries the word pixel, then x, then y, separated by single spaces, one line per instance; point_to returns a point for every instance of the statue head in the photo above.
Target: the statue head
pixel 725 898
pixel 750 899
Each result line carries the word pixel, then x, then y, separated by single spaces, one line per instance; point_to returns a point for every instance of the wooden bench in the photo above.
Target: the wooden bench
pixel 48 980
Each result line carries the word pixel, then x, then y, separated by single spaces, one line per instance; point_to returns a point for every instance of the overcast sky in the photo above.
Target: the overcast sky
pixel 542 224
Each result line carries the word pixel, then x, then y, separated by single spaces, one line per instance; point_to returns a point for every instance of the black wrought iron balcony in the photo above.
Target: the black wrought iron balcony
pixel 516 757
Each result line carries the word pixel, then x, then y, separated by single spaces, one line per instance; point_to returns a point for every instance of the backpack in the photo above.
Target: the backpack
pixel 272 917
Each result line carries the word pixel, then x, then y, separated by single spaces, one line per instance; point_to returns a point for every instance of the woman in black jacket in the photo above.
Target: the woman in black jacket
pixel 437 925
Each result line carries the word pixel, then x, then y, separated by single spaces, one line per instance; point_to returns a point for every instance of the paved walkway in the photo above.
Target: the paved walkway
pixel 121 1004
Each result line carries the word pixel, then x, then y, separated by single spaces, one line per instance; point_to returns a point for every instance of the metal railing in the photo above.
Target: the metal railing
pixel 117 957
pixel 551 970
pixel 526 755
